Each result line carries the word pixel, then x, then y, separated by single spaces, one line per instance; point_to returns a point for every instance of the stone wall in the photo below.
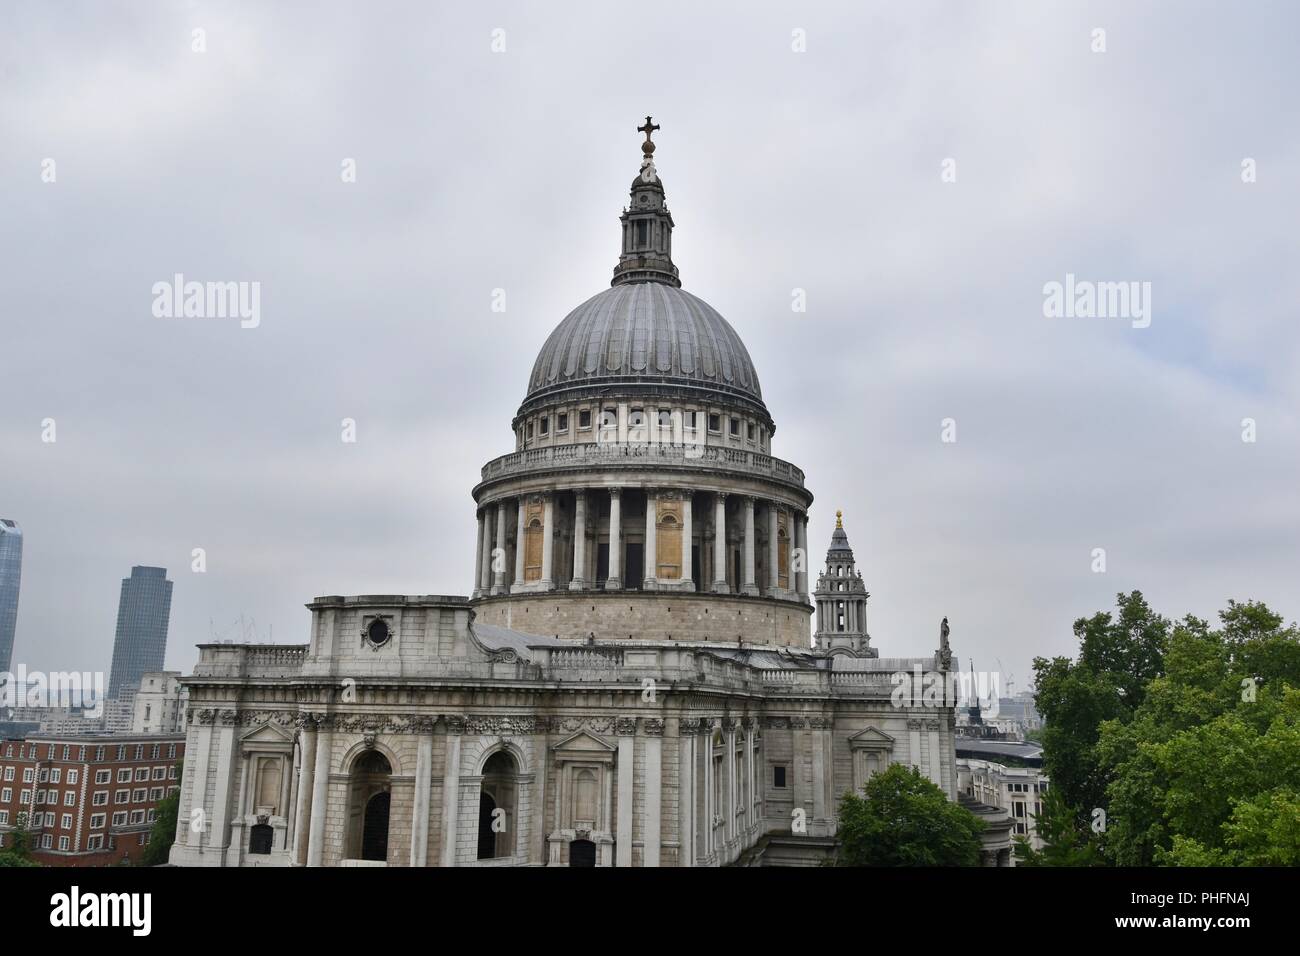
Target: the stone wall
pixel 646 616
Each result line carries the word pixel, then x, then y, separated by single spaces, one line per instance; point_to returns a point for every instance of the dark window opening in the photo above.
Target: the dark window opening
pixel 778 777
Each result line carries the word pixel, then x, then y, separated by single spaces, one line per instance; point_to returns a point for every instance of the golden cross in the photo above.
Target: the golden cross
pixel 647 147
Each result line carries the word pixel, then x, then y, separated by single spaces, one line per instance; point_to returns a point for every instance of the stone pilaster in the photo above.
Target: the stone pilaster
pixel 615 581
pixel 720 544
pixel 579 581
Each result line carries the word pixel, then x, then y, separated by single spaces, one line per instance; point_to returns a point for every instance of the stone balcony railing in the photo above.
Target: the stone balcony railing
pixel 250 660
pixel 711 458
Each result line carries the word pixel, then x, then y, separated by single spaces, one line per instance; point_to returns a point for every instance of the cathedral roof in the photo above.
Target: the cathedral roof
pixel 645 332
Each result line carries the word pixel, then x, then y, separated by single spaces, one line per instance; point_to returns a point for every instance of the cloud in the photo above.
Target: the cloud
pixel 818 170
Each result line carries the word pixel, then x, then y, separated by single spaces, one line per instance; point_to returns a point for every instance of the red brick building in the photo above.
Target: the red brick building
pixel 87 800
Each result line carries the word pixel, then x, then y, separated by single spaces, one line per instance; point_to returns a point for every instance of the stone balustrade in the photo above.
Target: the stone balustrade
pixel 707 458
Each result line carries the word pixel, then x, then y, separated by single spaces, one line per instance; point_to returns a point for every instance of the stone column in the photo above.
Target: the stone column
pixel 801 542
pixel 579 581
pixel 773 549
pixel 705 744
pixel 499 555
pixel 478 556
pixel 519 547
pixel 623 825
pixel 653 823
pixel 751 803
pixel 686 794
pixel 423 788
pixel 720 543
pixel 319 799
pixel 451 792
pixel 819 769
pixel 615 540
pixel 548 542
pixel 485 552
pixel 688 533
pixel 651 551
pixel 729 808
pixel 306 777
pixel 750 587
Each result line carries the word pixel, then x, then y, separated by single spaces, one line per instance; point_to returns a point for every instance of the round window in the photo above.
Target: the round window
pixel 377 632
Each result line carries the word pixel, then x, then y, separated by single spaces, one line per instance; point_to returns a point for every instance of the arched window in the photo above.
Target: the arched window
pixel 498 805
pixel 369 786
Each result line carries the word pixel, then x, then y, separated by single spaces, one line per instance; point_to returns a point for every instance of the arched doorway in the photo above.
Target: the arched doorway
pixel 582 853
pixel 374 830
pixel 369 787
pixel 498 802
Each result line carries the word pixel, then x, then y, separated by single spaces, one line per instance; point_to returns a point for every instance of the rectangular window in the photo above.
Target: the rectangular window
pixel 778 777
pixel 69 798
pixel 637 417
pixel 735 428
pixel 543 426
pixel 139 796
pixel 124 776
pixel 100 799
pixel 45 776
pixel 642 234
pixel 56 775
pixel 95 842
pixel 562 422
pixel 65 822
pixel 160 773
pixel 751 431
pixel 97 821
pixel 119 819
pixel 103 776
pixel 584 418
pixel 137 817
pixel 141 773
pixel 7 795
pixel 122 796
pixel 528 431
pixel 4 818
pixel 73 777
pixel 9 772
pixel 155 793
pixel 665 418
pixel 609 418
pixel 715 424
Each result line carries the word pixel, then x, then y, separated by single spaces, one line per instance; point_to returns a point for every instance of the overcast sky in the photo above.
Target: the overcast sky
pixel 817 170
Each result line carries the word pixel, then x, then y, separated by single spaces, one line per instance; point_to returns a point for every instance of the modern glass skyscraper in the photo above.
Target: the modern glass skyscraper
pixel 142 616
pixel 11 572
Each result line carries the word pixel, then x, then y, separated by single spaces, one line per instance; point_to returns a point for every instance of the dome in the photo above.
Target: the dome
pixel 645 333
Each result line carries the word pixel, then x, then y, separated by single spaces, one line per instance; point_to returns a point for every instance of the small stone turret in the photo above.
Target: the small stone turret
pixel 841 599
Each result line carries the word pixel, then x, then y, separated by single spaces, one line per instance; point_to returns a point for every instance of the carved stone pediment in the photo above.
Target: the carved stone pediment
pixel 870 738
pixel 584 746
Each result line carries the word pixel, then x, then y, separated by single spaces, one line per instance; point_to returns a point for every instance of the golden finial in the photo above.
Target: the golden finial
pixel 648 146
pixel 839 520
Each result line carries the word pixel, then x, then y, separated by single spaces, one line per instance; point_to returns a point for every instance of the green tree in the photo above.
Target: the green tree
pixel 1065 842
pixel 164 831
pixel 903 819
pixel 1119 656
pixel 19 850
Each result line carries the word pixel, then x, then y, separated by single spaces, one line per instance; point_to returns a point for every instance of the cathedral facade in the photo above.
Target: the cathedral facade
pixel 633 680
